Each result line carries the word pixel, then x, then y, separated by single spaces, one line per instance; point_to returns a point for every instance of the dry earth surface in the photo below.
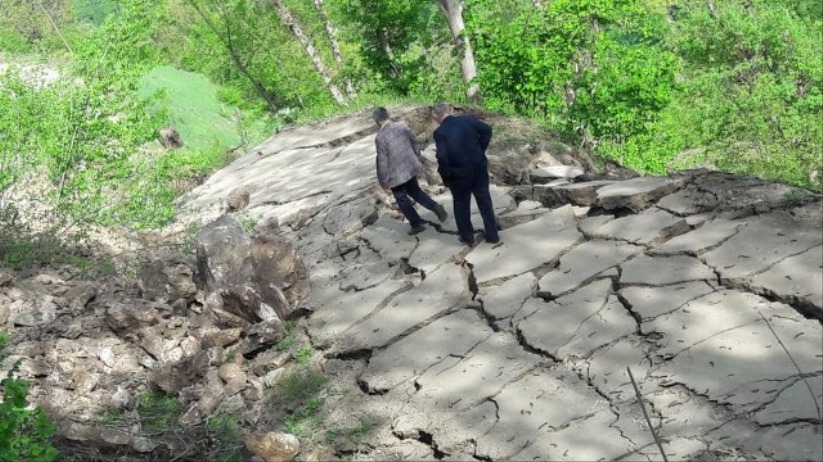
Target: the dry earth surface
pixel 707 286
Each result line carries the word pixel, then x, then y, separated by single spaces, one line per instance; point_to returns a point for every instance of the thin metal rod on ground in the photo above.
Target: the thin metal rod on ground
pixel 802 376
pixel 646 415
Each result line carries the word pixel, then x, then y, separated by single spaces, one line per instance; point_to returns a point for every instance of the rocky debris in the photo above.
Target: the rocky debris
pixel 238 199
pixel 259 277
pixel 514 351
pixel 544 175
pixel 167 281
pixel 706 285
pixel 273 446
pixel 582 194
pixel 170 138
pixel 646 228
pixel 636 194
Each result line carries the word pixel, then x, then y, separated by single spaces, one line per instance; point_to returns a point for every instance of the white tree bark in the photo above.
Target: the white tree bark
pixel 289 21
pixel 335 44
pixel 453 11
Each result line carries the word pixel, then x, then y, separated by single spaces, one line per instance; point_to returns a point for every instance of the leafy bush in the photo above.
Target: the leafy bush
pixel 753 89
pixel 25 433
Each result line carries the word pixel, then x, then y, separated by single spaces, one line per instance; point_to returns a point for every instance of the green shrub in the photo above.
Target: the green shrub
pixel 25 434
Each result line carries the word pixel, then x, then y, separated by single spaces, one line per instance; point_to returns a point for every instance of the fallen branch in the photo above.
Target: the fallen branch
pixel 646 415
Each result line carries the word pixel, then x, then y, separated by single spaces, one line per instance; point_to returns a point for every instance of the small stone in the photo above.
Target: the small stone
pixel 79 296
pixel 254 392
pixel 222 338
pixel 142 445
pixel 5 277
pixel 192 416
pixel 238 199
pixel 106 355
pixel 273 446
pixel 273 378
pixel 232 372
pixel 120 399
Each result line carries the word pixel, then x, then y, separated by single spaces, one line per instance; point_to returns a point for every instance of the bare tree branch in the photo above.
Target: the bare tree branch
pixel 453 11
pixel 308 46
pixel 331 31
pixel 228 42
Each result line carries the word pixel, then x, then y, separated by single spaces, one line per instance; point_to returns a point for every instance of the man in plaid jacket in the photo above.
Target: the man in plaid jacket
pixel 398 166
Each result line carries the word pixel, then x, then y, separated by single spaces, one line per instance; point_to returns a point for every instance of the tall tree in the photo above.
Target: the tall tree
pixel 453 11
pixel 290 21
pixel 331 31
pixel 225 33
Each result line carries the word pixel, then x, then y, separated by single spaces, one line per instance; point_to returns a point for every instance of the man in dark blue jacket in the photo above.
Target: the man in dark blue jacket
pixel 461 160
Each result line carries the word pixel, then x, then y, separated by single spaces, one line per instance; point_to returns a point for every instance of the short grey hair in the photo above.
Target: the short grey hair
pixel 440 109
pixel 380 114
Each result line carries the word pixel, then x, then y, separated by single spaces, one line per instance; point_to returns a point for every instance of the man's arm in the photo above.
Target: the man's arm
pixel 412 139
pixel 484 132
pixel 382 163
pixel 443 166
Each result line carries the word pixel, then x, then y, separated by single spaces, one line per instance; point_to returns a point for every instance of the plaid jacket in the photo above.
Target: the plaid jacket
pixel 397 154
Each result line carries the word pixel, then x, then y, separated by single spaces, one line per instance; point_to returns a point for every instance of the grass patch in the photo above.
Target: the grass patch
pixel 304 354
pixel 225 434
pixel 158 412
pixel 354 437
pixel 113 416
pixel 289 326
pixel 284 344
pixel 304 421
pixel 299 386
pixel 193 108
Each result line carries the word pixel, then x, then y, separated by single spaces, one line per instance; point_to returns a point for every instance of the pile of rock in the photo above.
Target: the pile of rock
pixel 201 331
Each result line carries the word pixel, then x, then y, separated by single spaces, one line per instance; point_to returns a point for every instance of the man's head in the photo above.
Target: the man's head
pixel 440 111
pixel 380 115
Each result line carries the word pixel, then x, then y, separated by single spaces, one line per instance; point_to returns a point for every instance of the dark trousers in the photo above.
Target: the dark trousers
pixel 463 189
pixel 411 189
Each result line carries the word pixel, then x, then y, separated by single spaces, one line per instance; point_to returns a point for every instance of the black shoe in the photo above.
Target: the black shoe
pixel 478 236
pixel 493 242
pixel 416 230
pixel 441 213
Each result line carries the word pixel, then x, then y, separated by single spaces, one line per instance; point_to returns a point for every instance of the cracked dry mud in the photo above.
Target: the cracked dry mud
pixel 520 351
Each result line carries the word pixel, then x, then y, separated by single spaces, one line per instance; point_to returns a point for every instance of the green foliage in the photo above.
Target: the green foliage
pixel 93 11
pixel 304 354
pixel 226 434
pixel 299 385
pixel 158 412
pixel 25 434
pixel 752 95
pixel 306 419
pixel 401 46
pixel 593 69
pixel 284 344
pixel 289 326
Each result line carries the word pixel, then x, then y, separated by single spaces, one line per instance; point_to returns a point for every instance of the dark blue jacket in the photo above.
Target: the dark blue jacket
pixel 461 148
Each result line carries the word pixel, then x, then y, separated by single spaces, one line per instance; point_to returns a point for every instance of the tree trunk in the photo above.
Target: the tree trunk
pixel 335 45
pixel 290 22
pixel 453 11
pixel 538 4
pixel 395 71
pixel 228 42
pixel 712 9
